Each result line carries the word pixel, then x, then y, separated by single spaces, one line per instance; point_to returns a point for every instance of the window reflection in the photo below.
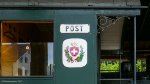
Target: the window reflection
pixel 26 48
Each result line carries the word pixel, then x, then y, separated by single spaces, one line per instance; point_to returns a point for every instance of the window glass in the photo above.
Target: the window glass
pixel 109 66
pixel 26 48
pixel 141 65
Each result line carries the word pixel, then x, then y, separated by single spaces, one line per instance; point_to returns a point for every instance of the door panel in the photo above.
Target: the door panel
pixel 73 74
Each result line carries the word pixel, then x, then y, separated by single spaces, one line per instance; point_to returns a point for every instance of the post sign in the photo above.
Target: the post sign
pixel 74 52
pixel 74 28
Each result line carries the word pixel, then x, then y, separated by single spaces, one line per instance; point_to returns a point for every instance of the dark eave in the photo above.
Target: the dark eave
pixel 73 4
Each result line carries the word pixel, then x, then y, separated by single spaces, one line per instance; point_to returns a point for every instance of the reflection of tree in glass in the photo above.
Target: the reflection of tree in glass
pixel 113 65
pixel 141 65
pixel 109 66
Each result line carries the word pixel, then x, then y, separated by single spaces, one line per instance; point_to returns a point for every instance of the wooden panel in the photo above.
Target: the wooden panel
pixel 39 59
pixel 8 57
pixel 133 2
pixel 8 33
pixel 9 53
pixel 120 2
pixel 104 2
pixel 71 2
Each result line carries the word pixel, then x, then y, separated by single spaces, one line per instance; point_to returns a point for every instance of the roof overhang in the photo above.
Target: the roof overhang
pixel 94 4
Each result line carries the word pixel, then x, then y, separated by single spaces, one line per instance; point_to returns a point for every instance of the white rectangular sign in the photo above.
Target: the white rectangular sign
pixel 74 28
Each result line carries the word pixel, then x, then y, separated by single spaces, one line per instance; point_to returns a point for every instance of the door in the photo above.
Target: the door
pixel 75 47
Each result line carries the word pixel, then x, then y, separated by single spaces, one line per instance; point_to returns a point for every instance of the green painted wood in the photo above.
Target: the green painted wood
pixel 119 12
pixel 88 73
pixel 46 15
pixel 68 3
pixel 63 75
pixel 26 80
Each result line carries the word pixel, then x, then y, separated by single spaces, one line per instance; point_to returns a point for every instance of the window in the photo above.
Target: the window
pixel 26 59
pixel 20 72
pixel 26 72
pixel 26 48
